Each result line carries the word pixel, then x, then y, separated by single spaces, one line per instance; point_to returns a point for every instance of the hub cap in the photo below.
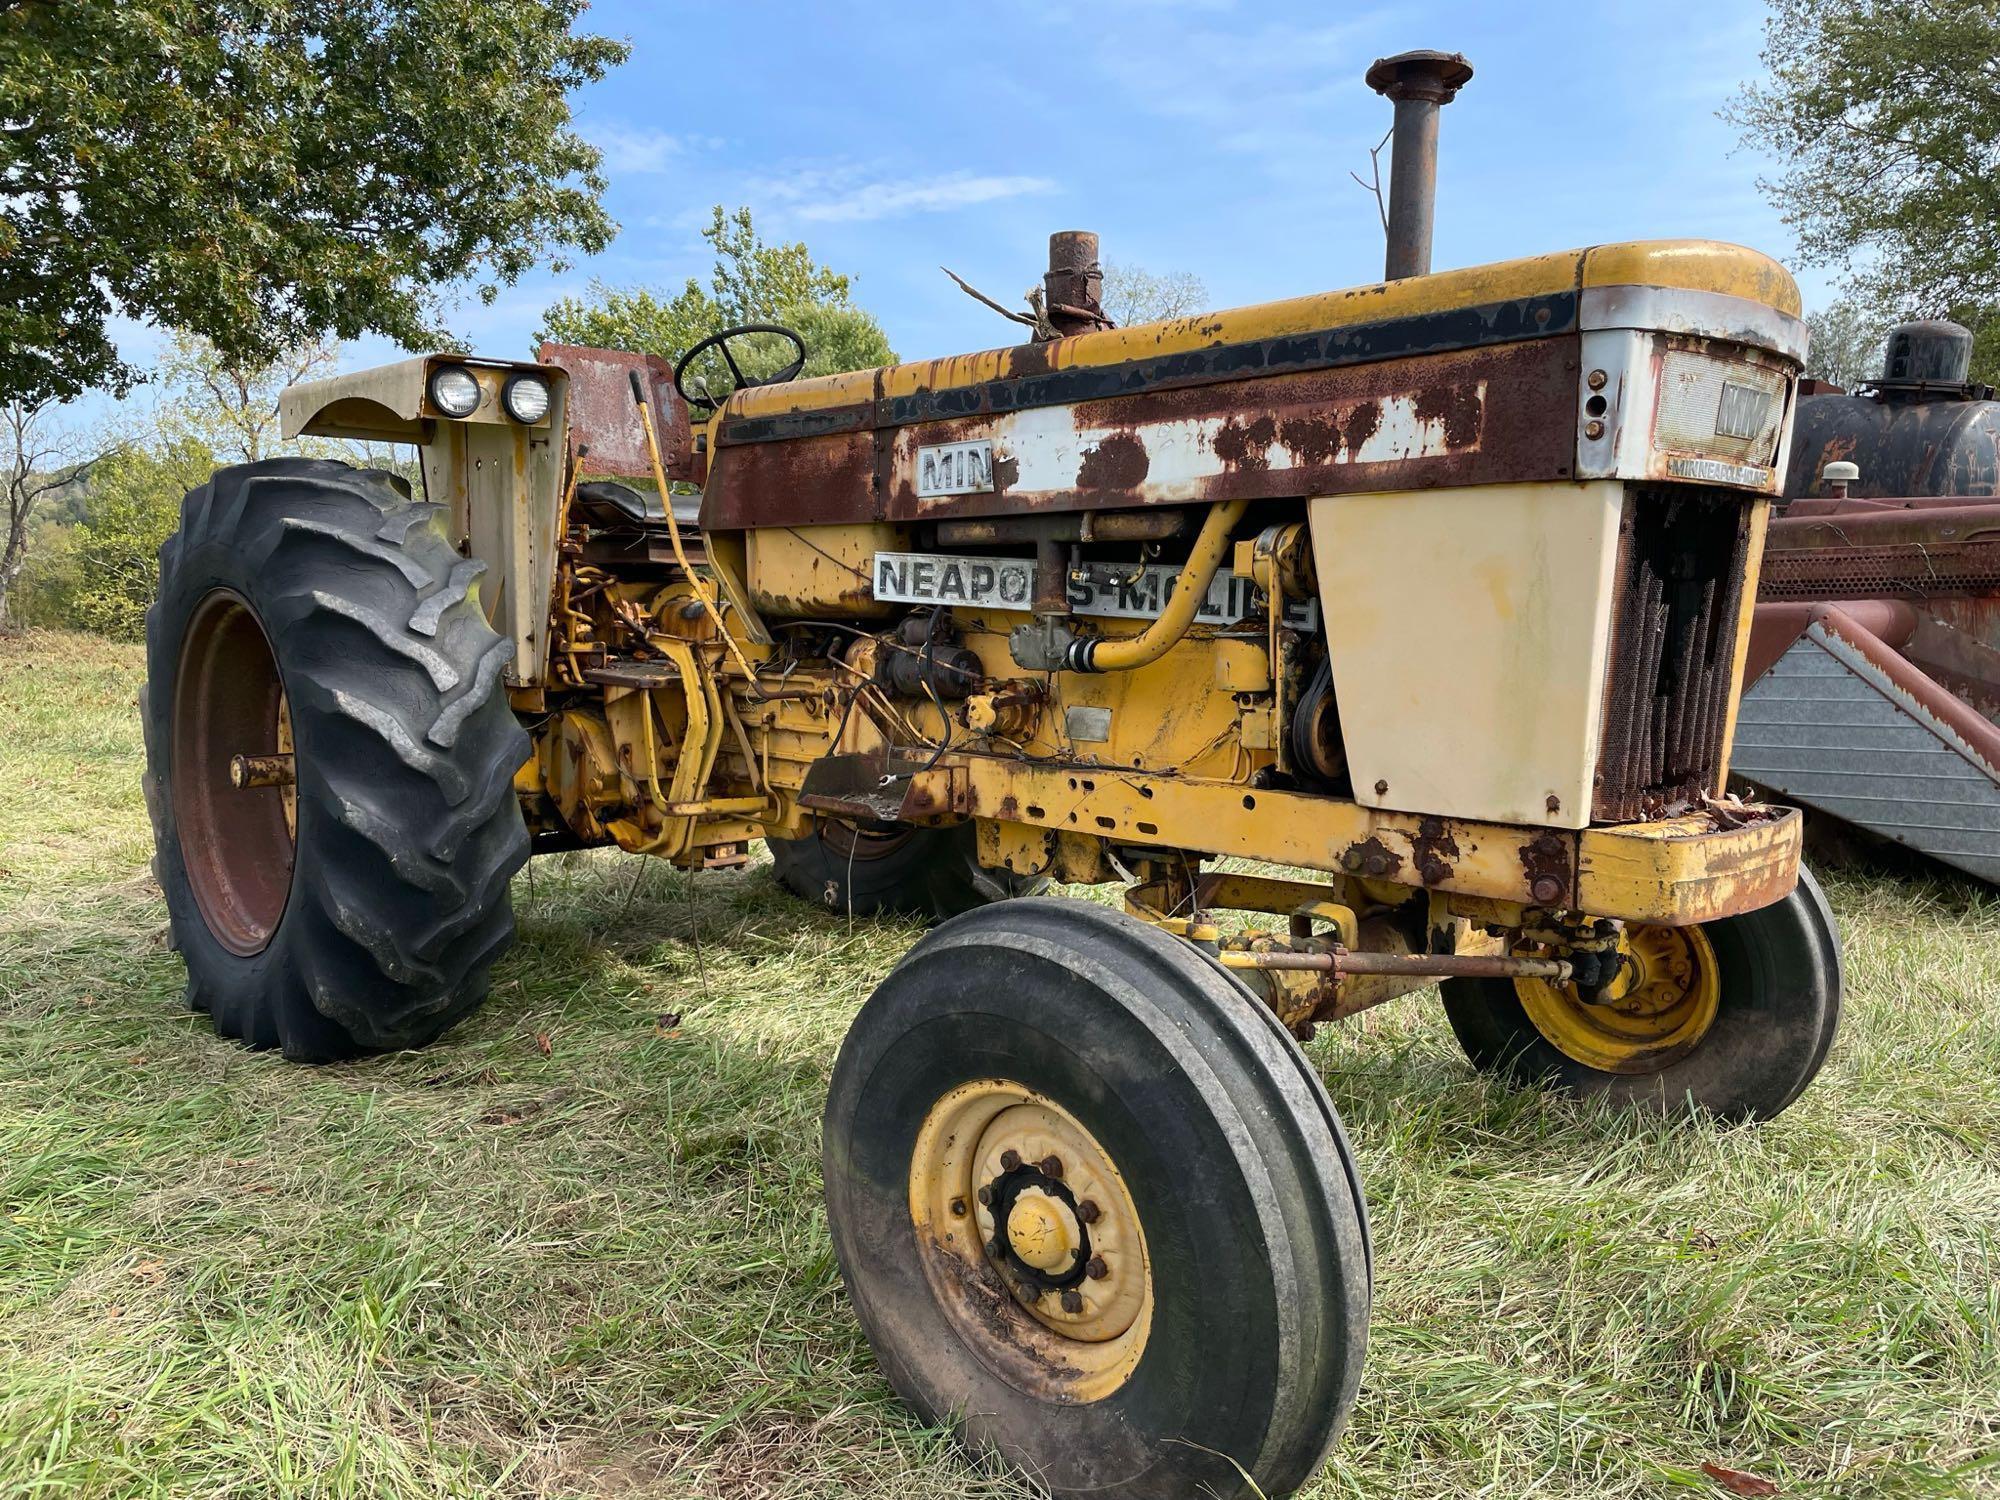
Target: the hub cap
pixel 236 842
pixel 1656 1012
pixel 1012 1188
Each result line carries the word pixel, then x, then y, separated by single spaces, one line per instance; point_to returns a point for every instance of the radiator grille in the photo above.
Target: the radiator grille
pixel 1681 560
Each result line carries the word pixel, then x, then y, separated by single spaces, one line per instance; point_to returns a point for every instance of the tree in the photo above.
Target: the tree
pixel 133 505
pixel 1847 340
pixel 230 407
pixel 1887 115
pixel 271 173
pixel 39 459
pixel 1132 294
pixel 751 282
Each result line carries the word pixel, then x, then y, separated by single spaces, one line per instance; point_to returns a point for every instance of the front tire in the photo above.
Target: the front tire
pixel 313 618
pixel 1095 1211
pixel 1746 1050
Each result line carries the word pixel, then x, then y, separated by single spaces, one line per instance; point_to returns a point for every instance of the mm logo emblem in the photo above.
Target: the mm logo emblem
pixel 955 469
pixel 1742 412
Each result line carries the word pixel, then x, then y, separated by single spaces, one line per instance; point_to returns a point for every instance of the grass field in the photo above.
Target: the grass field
pixel 577 1249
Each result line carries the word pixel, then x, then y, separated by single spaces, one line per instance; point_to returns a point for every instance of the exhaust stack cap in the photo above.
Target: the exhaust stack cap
pixel 1933 353
pixel 1433 76
pixel 1420 83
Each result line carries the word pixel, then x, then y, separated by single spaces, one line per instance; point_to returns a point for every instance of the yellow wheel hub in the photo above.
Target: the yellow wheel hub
pixel 1042 1231
pixel 1044 1267
pixel 1657 1011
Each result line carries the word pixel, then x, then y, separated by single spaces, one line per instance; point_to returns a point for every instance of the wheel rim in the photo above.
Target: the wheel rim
pixel 1657 1012
pixel 236 842
pixel 1033 1245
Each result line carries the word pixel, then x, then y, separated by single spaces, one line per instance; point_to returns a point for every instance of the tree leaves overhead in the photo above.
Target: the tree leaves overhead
pixel 752 282
pixel 270 174
pixel 1887 115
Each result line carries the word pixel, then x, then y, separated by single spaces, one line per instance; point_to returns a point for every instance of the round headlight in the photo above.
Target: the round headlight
pixel 453 391
pixel 526 398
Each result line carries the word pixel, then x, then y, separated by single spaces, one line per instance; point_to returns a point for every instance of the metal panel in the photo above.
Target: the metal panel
pixel 1468 631
pixel 1828 727
pixel 1479 416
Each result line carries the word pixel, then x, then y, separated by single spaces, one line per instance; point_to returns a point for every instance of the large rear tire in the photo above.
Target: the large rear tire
pixel 1095 1211
pixel 1758 1015
pixel 868 869
pixel 315 620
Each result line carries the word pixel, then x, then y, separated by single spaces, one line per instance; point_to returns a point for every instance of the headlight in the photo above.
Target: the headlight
pixel 526 398
pixel 453 391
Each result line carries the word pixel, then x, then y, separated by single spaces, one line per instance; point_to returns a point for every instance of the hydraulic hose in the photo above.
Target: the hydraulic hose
pixel 1190 589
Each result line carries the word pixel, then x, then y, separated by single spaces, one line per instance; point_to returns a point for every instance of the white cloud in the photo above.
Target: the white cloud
pixel 848 194
pixel 635 152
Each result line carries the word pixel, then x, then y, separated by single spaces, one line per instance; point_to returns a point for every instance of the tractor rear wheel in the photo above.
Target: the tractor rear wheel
pixel 1095 1210
pixel 329 761
pixel 867 869
pixel 1734 1016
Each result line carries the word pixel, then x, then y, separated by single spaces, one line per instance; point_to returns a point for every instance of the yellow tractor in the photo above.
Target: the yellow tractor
pixel 1434 592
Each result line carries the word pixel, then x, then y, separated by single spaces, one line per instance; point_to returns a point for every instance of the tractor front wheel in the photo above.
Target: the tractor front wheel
pixel 330 761
pixel 1095 1211
pixel 1734 1016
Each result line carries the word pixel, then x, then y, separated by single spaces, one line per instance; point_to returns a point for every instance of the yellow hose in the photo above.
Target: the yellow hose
pixel 1190 589
pixel 674 534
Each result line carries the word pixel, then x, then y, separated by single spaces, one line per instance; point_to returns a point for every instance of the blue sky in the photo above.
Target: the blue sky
pixel 1193 135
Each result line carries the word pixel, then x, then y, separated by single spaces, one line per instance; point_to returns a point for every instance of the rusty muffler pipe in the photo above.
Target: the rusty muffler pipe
pixel 1074 283
pixel 1420 83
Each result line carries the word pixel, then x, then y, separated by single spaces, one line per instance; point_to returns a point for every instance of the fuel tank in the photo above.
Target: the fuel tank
pixel 1923 428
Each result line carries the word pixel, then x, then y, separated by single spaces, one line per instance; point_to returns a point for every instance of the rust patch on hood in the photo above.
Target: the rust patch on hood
pixel 1248 447
pixel 1118 462
pixel 1457 407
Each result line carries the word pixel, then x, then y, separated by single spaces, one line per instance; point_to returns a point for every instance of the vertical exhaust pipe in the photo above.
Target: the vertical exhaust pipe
pixel 1420 83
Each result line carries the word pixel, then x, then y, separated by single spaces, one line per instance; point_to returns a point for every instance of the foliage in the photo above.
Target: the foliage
pixel 1132 294
pixel 1847 339
pixel 42 460
pixel 270 173
pixel 230 406
pixel 751 282
pixel 133 505
pixel 1887 115
pixel 45 592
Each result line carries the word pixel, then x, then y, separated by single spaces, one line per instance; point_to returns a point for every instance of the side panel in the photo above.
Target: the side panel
pixel 1492 414
pixel 1469 633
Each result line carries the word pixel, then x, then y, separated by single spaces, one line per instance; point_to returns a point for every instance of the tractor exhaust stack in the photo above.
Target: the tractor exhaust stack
pixel 1420 83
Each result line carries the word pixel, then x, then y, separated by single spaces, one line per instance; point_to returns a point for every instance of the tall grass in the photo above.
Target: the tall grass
pixel 578 1249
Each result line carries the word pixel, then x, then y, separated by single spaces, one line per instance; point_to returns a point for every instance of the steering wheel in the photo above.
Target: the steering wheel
pixel 720 343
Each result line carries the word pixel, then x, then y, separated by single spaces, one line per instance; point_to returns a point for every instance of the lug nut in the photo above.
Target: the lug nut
pixel 1009 1159
pixel 1087 1211
pixel 998 1247
pixel 1097 1270
pixel 1072 1301
pixel 1052 1165
pixel 986 1197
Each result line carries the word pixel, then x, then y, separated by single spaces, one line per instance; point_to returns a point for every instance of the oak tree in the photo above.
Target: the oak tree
pixel 271 173
pixel 1886 115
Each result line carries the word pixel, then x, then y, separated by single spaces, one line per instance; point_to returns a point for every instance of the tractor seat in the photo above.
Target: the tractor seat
pixel 604 504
